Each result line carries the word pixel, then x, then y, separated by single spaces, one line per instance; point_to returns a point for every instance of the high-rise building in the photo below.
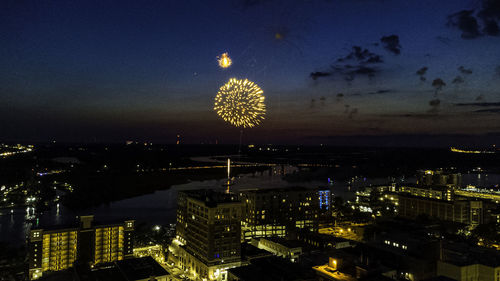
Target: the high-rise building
pixel 277 212
pixel 55 249
pixel 208 233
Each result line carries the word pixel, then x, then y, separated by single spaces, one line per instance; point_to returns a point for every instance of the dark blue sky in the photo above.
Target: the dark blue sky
pixel 117 70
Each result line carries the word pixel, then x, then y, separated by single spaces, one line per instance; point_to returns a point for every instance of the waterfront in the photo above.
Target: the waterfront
pixel 160 207
pixel 154 208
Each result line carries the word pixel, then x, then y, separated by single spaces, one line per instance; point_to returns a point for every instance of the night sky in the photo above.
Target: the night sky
pixel 370 72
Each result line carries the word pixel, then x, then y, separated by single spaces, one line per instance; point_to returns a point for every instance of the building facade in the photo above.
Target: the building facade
pixel 439 177
pixel 57 249
pixel 208 233
pixel 459 210
pixel 277 212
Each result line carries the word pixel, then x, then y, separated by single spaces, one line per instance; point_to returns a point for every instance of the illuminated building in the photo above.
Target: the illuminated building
pixel 458 210
pixel 57 249
pixel 323 241
pixel 51 250
pixel 289 249
pixel 181 226
pixel 10 150
pixel 332 271
pixel 277 212
pixel 438 178
pixel 437 195
pixel 209 227
pixel 457 150
pixel 434 192
pixel 155 251
pixel 324 197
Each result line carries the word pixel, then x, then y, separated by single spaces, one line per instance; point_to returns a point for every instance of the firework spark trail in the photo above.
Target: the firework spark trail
pixel 241 103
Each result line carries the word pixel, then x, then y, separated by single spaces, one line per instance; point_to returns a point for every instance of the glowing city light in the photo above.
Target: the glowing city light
pixel 241 103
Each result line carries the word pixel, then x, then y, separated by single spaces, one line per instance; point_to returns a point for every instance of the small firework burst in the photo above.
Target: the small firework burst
pixel 224 60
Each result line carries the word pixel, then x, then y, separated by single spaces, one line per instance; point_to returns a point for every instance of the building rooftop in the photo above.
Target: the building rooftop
pixel 77 224
pixel 429 187
pixel 211 198
pixel 249 252
pixel 322 237
pixel 272 269
pixel 285 242
pixel 127 269
pixel 461 254
pixel 140 268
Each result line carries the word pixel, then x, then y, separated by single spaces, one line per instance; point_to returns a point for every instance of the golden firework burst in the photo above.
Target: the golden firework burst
pixel 241 103
pixel 224 60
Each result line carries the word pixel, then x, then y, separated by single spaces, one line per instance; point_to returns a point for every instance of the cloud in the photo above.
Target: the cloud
pixel 383 91
pixel 481 104
pixel 421 72
pixel 438 85
pixel 318 74
pixel 354 64
pixel 348 72
pixel 391 43
pixel 466 22
pixel 490 9
pixel 491 110
pixel 339 97
pixel 463 70
pixel 491 28
pixel 363 70
pixel 409 115
pixel 434 104
pixel 480 98
pixel 490 14
pixel 458 80
pixel 380 92
pixel 363 56
pixel 497 71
